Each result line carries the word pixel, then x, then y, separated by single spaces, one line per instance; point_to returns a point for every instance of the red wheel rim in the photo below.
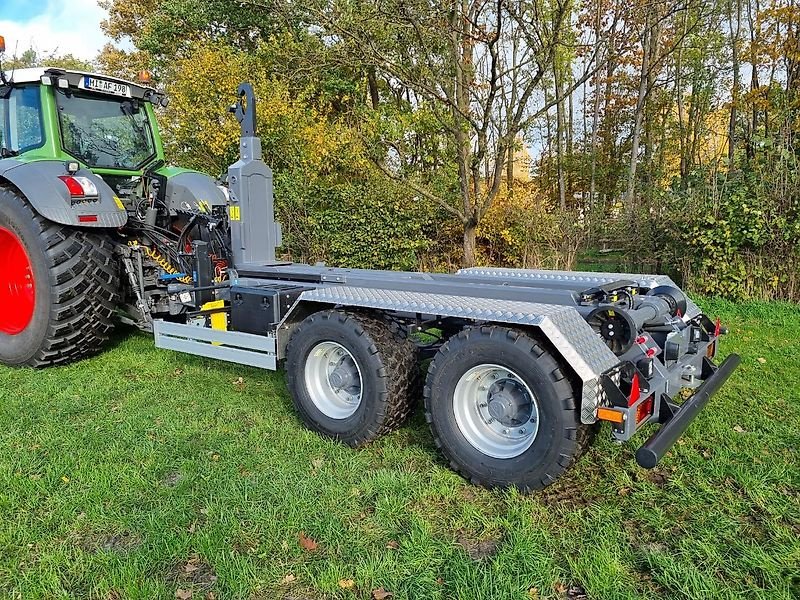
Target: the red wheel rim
pixel 17 289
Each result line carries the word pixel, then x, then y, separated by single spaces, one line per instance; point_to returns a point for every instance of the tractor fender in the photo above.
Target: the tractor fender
pixel 38 182
pixel 193 192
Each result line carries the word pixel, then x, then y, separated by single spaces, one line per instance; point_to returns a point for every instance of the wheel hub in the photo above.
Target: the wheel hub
pixel 496 411
pixel 508 403
pixel 333 380
pixel 17 285
pixel 344 375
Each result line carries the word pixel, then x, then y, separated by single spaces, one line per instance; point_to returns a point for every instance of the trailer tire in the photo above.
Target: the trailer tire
pixel 59 287
pixel 502 410
pixel 348 347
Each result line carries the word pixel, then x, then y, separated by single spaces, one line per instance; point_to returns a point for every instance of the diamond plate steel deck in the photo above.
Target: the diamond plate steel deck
pixel 588 278
pixel 578 344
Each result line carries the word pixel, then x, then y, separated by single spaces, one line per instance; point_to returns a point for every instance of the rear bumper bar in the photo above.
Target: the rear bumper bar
pixel 675 419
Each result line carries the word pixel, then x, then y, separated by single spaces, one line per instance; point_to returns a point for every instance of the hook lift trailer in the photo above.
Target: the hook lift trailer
pixel 523 363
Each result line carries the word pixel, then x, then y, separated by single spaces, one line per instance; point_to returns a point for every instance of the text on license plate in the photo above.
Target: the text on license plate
pixel 107 87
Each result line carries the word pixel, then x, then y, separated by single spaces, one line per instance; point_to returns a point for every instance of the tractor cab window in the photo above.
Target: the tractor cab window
pixel 20 119
pixel 105 132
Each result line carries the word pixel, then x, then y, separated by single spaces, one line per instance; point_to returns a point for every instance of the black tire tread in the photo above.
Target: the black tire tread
pixel 397 354
pixel 85 285
pixel 400 359
pixel 571 446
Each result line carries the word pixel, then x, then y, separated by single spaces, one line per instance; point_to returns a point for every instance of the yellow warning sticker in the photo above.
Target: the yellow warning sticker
pixel 119 203
pixel 235 213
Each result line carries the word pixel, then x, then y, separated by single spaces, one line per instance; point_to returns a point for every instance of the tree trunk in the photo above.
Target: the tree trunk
pixel 754 65
pixel 470 230
pixel 684 163
pixel 595 121
pixel 638 116
pixel 562 193
pixel 570 125
pixel 372 81
pixel 734 28
pixel 609 120
pixel 650 39
pixel 510 170
pixel 696 120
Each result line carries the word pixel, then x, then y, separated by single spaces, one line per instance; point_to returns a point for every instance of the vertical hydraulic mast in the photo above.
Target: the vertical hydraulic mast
pixel 254 232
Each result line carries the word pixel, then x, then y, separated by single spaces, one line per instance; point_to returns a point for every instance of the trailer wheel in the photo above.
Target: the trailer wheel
pixel 502 410
pixel 58 288
pixel 349 375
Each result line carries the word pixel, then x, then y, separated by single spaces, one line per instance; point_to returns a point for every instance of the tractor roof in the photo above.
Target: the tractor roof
pixel 25 75
pixel 34 75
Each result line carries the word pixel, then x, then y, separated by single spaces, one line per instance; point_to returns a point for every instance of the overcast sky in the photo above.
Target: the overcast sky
pixel 63 26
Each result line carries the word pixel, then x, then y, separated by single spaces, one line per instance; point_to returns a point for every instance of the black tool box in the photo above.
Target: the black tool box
pixel 257 309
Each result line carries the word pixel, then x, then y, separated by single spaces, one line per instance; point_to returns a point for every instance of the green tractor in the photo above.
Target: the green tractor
pixel 86 196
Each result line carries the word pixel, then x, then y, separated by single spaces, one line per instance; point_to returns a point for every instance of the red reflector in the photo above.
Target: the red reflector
pixel 635 391
pixel 87 218
pixel 644 410
pixel 641 339
pixel 717 328
pixel 74 187
pixel 651 352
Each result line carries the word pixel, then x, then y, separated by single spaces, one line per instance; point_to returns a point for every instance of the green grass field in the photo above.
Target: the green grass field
pixel 144 473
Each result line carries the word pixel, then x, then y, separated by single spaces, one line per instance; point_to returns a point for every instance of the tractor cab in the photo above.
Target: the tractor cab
pixel 106 124
pixel 85 150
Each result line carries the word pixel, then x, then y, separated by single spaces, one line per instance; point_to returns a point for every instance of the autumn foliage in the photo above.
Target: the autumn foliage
pixel 662 136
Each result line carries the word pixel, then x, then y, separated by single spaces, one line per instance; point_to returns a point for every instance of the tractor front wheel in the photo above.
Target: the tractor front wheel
pixel 58 288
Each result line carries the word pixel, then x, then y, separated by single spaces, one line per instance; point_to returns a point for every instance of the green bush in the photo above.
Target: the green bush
pixel 363 223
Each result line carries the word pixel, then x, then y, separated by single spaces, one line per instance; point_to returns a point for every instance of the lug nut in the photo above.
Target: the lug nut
pixel 505 431
pixel 483 405
pixel 522 432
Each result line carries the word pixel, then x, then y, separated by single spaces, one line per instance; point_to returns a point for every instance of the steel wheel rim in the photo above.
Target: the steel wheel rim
pixel 17 289
pixel 333 380
pixel 496 411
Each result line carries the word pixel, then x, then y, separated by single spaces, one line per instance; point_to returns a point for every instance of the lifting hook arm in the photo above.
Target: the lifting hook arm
pixel 245 109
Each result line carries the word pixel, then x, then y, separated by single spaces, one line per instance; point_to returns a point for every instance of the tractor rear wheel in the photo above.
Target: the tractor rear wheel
pixel 58 288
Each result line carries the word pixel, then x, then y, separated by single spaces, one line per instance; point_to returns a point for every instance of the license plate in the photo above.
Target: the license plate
pixel 106 87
